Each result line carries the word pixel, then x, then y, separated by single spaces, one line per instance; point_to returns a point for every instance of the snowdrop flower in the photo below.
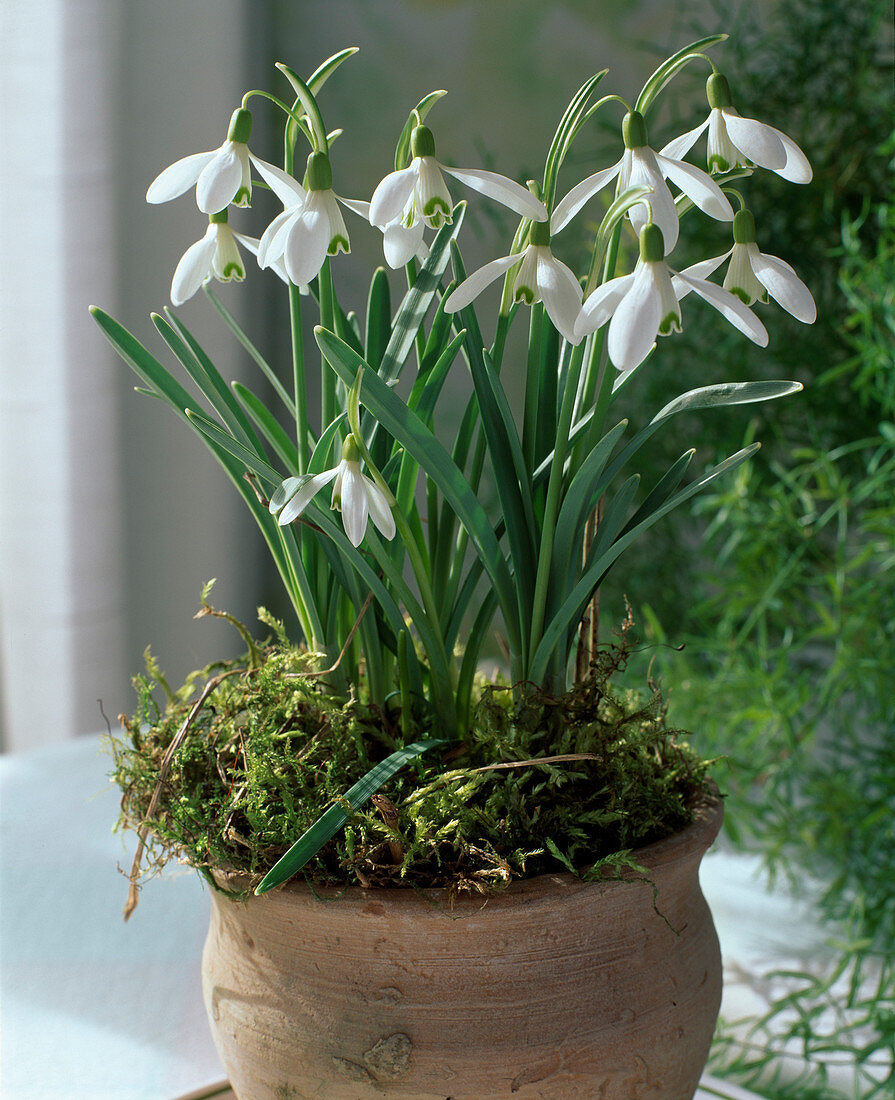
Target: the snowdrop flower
pixel 419 192
pixel 357 496
pixel 541 277
pixel 641 166
pixel 214 256
pixel 401 242
pixel 221 177
pixel 310 228
pixel 644 305
pixel 735 141
pixel 753 276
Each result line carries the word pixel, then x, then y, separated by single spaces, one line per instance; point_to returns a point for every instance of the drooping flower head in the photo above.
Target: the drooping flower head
pixel 645 304
pixel 735 142
pixel 641 166
pixel 754 276
pixel 419 191
pixel 221 176
pixel 356 496
pixel 311 226
pixel 214 256
pixel 540 277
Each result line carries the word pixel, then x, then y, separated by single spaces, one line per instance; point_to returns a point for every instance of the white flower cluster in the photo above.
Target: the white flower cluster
pixel 638 306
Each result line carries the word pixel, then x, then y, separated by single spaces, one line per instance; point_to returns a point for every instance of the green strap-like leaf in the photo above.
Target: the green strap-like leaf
pixel 250 459
pixel 570 612
pixel 328 824
pixel 269 427
pixel 407 428
pixel 671 67
pixel 206 377
pixel 418 299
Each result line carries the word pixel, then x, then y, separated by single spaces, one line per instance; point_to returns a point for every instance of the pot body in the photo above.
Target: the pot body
pixel 554 988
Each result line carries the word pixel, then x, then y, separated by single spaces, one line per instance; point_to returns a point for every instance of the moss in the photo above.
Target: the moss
pixel 263 751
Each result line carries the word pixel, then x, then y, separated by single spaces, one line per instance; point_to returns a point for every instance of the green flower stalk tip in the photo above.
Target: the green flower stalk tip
pixel 240 126
pixel 422 142
pixel 717 91
pixel 634 130
pixel 319 173
pixel 652 244
pixel 743 227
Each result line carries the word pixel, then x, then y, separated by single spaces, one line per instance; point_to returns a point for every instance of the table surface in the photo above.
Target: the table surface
pixel 92 1005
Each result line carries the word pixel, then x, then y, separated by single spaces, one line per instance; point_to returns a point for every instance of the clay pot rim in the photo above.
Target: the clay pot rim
pixel 689 843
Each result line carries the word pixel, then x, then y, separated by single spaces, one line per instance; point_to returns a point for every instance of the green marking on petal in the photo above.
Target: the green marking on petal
pixel 524 294
pixel 717 163
pixel 436 204
pixel 243 197
pixel 234 271
pixel 337 244
pixel 669 323
pixel 743 296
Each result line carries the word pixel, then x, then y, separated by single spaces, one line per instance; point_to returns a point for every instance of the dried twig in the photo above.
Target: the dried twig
pixel 177 741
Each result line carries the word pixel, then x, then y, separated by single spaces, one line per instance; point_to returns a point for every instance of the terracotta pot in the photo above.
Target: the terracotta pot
pixel 554 988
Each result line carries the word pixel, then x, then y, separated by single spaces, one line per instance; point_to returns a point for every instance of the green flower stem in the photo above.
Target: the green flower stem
pixel 328 408
pixel 290 111
pixel 456 570
pixel 532 386
pixel 554 491
pixel 298 355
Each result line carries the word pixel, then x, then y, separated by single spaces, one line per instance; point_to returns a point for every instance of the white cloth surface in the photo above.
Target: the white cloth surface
pixel 96 1009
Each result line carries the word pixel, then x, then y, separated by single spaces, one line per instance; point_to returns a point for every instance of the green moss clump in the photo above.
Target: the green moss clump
pixel 266 749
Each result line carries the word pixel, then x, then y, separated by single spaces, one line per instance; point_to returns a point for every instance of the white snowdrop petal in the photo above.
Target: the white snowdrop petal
pixel 645 172
pixel 601 304
pixel 357 205
pixel 797 168
pixel 473 286
pixel 306 493
pixel 698 271
pixel 581 193
pixel 273 239
pixel 288 190
pixel 380 512
pixel 756 141
pixel 219 181
pixel 682 145
pixel 194 268
pixel 784 286
pixel 561 294
pixel 505 191
pixel 306 245
pixel 635 323
pixel 392 193
pixel 178 177
pixel 400 244
pixel 699 187
pixel 731 309
pixel 355 507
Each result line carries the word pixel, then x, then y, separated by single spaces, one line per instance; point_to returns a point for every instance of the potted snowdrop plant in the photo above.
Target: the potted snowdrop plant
pixel 434 876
